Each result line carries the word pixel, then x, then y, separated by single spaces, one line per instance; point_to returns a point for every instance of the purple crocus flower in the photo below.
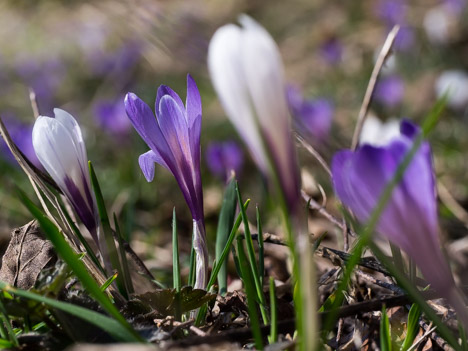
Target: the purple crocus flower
pixel 390 91
pixel 111 116
pixel 20 133
pixel 410 217
pixel 391 11
pixel 331 51
pixel 174 139
pixel 311 118
pixel 60 148
pixel 224 157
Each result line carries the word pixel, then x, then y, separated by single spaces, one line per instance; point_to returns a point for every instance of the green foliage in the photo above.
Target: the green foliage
pixel 385 332
pixel 225 223
pixel 77 266
pixel 412 326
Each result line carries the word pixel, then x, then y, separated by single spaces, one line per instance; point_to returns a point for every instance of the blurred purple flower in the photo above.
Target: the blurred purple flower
pixel 224 157
pixel 111 116
pixel 455 6
pixel 331 51
pixel 391 11
pixel 390 91
pixel 21 134
pixel 60 148
pixel 405 38
pixel 311 118
pixel 44 78
pixel 103 62
pixel 174 139
pixel 410 217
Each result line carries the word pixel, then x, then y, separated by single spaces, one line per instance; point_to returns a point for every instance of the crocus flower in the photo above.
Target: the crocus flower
pixel 247 73
pixel 311 118
pixel 410 217
pixel 454 83
pixel 60 148
pixel 331 50
pixel 390 91
pixel 111 116
pixel 174 141
pixel 224 157
pixel 378 133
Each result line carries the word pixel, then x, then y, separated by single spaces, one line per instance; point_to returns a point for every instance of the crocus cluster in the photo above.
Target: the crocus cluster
pixel 246 70
pixel 60 148
pixel 410 216
pixel 174 141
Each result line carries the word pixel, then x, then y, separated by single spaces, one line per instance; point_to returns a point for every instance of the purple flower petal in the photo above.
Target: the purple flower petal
pixel 164 90
pixel 193 101
pixel 147 161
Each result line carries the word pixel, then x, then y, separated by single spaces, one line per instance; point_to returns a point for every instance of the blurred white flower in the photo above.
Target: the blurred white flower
pixel 378 133
pixel 455 84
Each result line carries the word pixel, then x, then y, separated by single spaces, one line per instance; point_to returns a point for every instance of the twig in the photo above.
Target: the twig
pixel 372 82
pixel 426 334
pixel 314 153
pixel 322 211
pixel 34 106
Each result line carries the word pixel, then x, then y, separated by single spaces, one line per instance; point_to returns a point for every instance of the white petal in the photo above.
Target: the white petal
pixel 56 149
pixel 263 69
pixel 455 84
pixel 70 123
pixel 377 133
pixel 227 75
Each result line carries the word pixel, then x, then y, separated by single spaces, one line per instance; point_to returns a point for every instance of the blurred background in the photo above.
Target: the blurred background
pixel 85 56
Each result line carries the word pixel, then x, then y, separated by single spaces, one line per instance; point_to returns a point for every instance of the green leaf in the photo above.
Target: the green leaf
pixel 273 313
pixel 111 326
pixel 111 249
pixel 252 260
pixel 225 223
pixel 261 250
pixel 412 326
pixel 249 285
pixel 123 256
pixel 108 282
pixel 385 335
pixel 71 259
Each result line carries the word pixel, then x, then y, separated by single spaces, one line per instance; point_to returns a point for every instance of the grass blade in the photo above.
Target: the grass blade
pixel 108 237
pixel 78 268
pixel 385 336
pixel 175 253
pixel 252 260
pixel 123 256
pixel 108 282
pixel 111 326
pixel 222 258
pixel 191 277
pixel 225 223
pixel 6 322
pixel 412 326
pixel 273 313
pixel 261 250
pixel 248 279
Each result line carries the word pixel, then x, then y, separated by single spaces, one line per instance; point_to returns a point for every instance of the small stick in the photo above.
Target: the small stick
pixel 314 153
pixel 34 105
pixel 372 82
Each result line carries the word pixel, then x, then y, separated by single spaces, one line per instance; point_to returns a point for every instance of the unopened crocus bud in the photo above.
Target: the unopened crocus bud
pixel 60 148
pixel 247 73
pixel 409 219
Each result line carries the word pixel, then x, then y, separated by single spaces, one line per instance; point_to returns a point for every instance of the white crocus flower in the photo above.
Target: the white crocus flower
pixel 247 73
pixel 378 133
pixel 60 148
pixel 454 83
